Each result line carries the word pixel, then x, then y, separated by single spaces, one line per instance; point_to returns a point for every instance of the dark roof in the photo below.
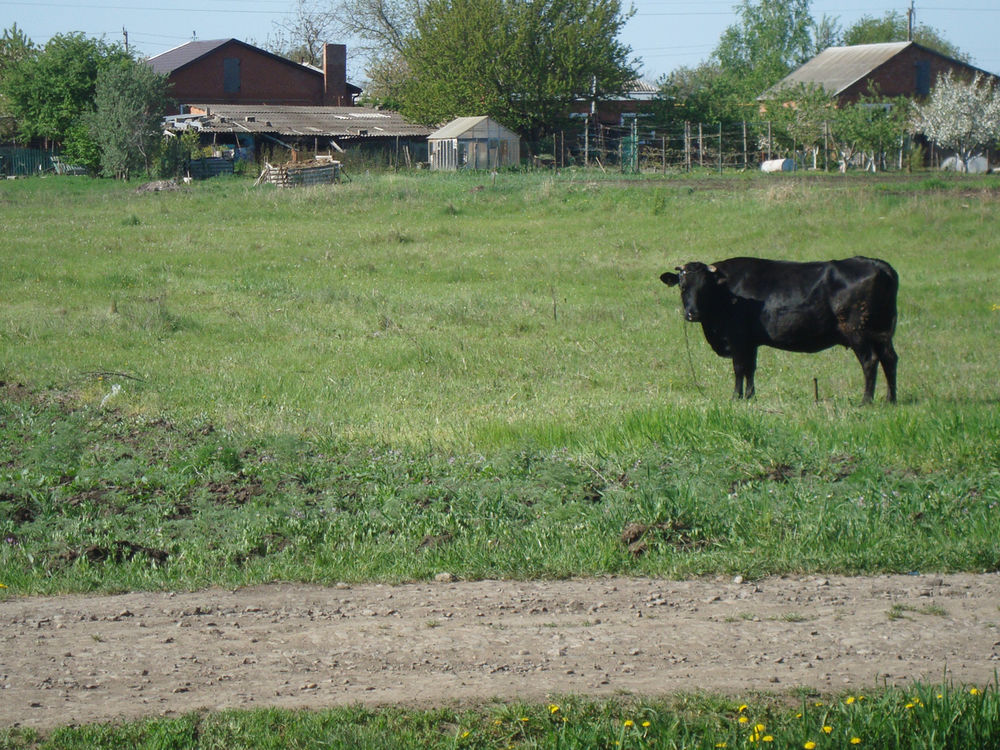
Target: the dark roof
pixel 298 121
pixel 182 56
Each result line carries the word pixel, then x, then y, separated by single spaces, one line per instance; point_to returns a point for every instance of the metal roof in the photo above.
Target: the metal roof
pixel 838 68
pixel 297 121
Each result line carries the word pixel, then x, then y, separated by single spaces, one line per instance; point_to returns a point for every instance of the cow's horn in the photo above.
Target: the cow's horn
pixel 713 269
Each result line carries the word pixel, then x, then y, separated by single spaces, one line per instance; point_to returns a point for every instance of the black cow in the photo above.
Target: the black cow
pixel 744 303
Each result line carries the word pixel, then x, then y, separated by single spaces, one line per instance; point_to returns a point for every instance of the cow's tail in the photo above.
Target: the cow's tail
pixel 886 287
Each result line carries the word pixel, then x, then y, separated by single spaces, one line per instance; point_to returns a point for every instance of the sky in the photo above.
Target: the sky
pixel 663 34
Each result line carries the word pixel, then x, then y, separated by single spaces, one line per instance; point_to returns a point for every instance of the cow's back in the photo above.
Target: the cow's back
pixel 761 279
pixel 813 305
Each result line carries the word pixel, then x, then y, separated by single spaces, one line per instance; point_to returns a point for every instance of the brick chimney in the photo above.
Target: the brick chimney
pixel 335 75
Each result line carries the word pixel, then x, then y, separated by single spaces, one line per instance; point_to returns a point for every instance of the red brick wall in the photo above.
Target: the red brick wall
pixel 263 80
pixel 898 77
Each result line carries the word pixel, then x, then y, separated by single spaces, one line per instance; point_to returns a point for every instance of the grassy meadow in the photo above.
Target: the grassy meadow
pixel 253 384
pixel 410 374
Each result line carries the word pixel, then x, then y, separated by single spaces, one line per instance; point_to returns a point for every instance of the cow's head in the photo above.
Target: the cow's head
pixel 700 288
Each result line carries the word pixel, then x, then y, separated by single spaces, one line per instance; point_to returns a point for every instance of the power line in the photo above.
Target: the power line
pixel 144 8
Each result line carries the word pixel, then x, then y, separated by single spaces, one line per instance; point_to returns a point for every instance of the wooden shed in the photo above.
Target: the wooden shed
pixel 473 143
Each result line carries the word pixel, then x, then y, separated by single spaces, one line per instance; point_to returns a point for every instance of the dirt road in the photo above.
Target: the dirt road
pixel 75 659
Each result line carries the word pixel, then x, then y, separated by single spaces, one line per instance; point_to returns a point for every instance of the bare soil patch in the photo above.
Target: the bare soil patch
pixel 77 659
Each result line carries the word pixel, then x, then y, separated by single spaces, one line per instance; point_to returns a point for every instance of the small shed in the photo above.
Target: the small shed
pixel 473 143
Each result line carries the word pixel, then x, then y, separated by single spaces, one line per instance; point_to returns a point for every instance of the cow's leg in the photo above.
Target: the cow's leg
pixel 869 366
pixel 744 366
pixel 888 357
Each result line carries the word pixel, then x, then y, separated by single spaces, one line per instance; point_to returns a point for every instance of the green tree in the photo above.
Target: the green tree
pixel 14 47
pixel 522 62
pixel 770 39
pixel 866 131
pixel 893 27
pixel 804 117
pixel 80 148
pixel 130 100
pixel 698 94
pixel 50 89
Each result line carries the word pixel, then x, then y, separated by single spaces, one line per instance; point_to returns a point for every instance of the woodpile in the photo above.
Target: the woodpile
pixel 320 172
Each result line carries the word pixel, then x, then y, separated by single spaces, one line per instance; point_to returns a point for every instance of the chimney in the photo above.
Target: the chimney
pixel 335 75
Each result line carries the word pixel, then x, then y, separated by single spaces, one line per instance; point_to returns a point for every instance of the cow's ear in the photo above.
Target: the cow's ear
pixel 720 277
pixel 670 279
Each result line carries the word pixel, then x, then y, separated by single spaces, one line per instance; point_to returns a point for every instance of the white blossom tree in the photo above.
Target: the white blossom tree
pixel 960 115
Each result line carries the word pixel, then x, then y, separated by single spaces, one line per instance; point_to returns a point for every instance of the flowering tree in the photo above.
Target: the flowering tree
pixel 960 115
pixel 869 129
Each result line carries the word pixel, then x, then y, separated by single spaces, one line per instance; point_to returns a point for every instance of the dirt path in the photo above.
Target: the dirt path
pixel 75 659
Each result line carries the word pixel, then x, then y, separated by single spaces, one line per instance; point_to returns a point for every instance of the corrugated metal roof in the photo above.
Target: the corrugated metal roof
pixel 837 68
pixel 639 89
pixel 297 121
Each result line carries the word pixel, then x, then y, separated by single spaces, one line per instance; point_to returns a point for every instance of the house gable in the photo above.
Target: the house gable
pixel 890 70
pixel 228 71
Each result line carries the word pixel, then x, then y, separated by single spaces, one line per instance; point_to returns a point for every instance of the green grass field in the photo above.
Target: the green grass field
pixel 229 385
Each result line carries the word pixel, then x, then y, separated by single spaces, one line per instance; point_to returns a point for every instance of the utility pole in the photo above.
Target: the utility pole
pixel 125 34
pixel 909 21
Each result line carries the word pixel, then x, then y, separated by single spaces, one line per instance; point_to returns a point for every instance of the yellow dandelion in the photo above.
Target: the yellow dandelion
pixel 743 708
pixel 524 718
pixel 553 708
pixel 973 691
pixel 743 720
pixel 850 700
pixel 817 704
pixel 855 740
pixel 646 724
pixel 827 729
pixel 759 728
pixel 497 722
pixel 767 738
pixel 2 586
pixel 721 744
pixel 908 705
pixel 810 745
pixel 940 696
pixel 798 715
pixel 465 734
pixel 629 723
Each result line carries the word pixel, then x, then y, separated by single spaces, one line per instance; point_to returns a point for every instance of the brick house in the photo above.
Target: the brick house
pixel 228 71
pixel 891 69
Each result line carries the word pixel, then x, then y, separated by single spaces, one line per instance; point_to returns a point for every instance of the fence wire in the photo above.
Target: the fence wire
pixel 686 146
